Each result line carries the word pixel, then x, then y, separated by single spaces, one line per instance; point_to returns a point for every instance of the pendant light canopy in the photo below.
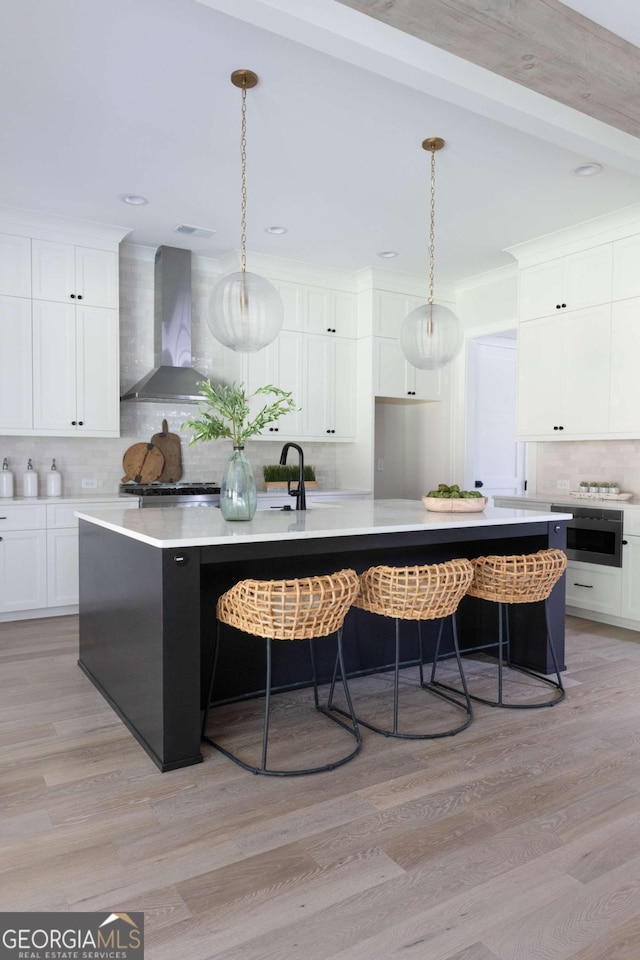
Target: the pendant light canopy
pixel 432 334
pixel 245 311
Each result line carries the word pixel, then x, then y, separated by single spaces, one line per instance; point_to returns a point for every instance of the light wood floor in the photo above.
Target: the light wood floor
pixel 519 839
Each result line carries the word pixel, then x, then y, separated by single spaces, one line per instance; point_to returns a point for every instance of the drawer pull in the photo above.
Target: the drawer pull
pixel 587 586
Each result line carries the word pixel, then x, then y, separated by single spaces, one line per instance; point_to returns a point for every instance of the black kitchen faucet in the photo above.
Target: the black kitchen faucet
pixel 299 492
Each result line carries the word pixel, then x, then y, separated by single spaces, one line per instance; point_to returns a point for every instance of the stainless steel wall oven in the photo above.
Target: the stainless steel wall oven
pixel 594 535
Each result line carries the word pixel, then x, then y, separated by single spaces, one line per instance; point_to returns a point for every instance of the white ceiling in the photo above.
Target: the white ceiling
pixel 109 97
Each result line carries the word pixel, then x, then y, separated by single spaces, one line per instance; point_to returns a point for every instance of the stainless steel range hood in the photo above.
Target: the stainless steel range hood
pixel 172 378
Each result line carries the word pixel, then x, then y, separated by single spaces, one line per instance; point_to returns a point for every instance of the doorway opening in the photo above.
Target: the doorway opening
pixel 495 460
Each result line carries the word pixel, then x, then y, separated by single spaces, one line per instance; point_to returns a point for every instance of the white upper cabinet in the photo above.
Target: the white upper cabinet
pixel 59 362
pixel 626 268
pixel 568 283
pixel 317 309
pixel 75 354
pixel 15 266
pixel 72 274
pixel 390 311
pixel 16 409
pixel 329 398
pixel 625 382
pixel 396 378
pixel 564 376
pixel 279 364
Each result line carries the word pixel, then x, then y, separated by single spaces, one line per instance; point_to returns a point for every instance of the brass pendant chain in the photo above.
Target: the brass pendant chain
pixel 432 230
pixel 243 154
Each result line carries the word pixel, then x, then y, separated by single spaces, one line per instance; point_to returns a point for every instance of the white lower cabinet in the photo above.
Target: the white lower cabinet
pixel 39 556
pixel 62 567
pixel 23 558
pixel 630 604
pixel 590 586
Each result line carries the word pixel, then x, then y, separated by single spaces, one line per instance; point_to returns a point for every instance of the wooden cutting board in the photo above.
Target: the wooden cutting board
pixel 143 463
pixel 169 444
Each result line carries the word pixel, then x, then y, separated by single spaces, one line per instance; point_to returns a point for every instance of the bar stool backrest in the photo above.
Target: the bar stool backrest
pixel 289 609
pixel 517 579
pixel 427 592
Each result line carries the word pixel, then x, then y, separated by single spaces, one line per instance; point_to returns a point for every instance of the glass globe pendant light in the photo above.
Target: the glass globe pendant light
pixel 432 334
pixel 245 311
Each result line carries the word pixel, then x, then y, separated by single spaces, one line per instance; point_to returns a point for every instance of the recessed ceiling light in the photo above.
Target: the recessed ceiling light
pixel 587 169
pixel 388 254
pixel 134 199
pixel 276 231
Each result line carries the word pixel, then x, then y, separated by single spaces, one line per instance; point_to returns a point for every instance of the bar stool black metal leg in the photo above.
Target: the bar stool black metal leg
pixel 212 677
pixel 436 655
pixel 314 675
pixel 267 707
pixel 396 678
pixel 500 644
pixel 552 651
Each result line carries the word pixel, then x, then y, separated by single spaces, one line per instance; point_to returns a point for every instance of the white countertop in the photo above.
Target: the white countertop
pixel 205 526
pixel 562 499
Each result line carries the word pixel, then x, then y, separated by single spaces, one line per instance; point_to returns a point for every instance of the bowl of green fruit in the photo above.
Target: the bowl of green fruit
pixel 454 500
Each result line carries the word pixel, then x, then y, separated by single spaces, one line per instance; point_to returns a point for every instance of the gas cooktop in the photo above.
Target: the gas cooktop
pixel 168 489
pixel 174 494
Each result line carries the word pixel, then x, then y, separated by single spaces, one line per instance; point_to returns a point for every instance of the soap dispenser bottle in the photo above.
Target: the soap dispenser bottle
pixel 29 481
pixel 6 480
pixel 54 481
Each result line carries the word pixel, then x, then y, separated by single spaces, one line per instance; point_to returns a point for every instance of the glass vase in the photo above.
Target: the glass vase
pixel 238 498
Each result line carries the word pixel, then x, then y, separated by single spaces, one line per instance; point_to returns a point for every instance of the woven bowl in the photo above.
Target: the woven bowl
pixel 455 504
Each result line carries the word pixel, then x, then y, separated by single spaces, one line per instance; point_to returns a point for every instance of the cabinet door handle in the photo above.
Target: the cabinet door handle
pixel 0 539
pixel 81 423
pixel 79 296
pixel 560 428
pixel 72 295
pixel 624 542
pixel 73 423
pixel 564 305
pixel 587 586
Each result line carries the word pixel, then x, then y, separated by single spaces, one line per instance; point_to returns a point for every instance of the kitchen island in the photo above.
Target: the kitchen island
pixel 149 581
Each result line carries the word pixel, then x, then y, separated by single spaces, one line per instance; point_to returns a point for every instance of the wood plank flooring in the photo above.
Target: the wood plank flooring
pixel 518 839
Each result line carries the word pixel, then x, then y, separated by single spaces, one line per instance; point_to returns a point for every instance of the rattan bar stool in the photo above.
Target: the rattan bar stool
pixel 289 610
pixel 506 581
pixel 430 592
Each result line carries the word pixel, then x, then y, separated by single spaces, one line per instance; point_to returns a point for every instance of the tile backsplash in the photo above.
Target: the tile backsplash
pixel 80 458
pixel 573 461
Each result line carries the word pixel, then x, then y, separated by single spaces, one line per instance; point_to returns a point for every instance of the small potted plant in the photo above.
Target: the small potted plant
pixel 604 487
pixel 614 488
pixel 594 486
pixel 225 414
pixel 277 475
pixel 584 486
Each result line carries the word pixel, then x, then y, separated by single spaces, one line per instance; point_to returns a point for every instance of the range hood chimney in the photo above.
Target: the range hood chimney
pixel 172 378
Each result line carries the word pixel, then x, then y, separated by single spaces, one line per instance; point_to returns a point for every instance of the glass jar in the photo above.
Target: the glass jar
pixel 238 497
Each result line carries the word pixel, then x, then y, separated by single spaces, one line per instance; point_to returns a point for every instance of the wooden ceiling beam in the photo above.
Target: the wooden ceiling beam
pixel 540 44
